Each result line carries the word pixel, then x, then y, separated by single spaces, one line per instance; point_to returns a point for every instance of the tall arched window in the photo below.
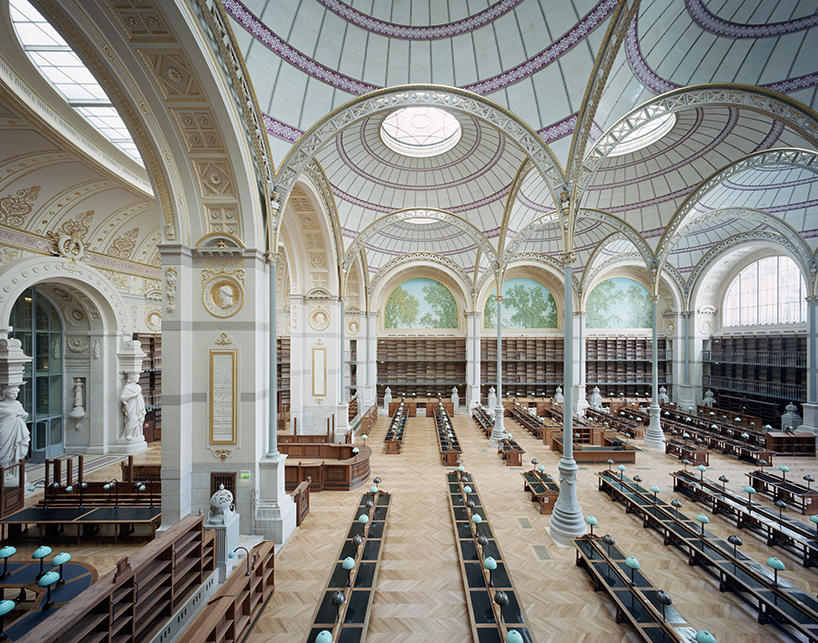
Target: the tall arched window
pixel 769 291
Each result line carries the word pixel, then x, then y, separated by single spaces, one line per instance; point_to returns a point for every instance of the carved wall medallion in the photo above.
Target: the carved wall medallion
pixel 353 327
pixel 223 292
pixel 77 344
pixel 319 317
pixel 153 320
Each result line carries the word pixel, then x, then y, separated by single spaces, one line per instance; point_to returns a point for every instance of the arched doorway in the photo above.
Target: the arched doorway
pixel 38 326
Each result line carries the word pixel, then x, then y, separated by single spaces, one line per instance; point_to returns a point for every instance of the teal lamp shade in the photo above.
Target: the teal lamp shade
pixel 7 551
pixel 461 468
pixel 69 489
pixel 655 488
pixel 540 468
pixel 631 562
pixel 784 468
pixel 363 519
pixel 514 636
pixel 41 552
pixel 592 521
pixel 349 563
pixel 139 488
pixel 703 519
pixel 621 467
pixel 812 518
pixel 61 558
pixel 355 450
pixel 364 436
pixel 745 436
pixel 324 636
pixel 467 489
pixel 7 606
pixel 712 412
pixel 703 636
pixel 736 419
pixel 49 578
pixel 713 426
pixel 702 468
pixel 490 563
pixel 685 435
pixel 775 564
pixel 476 519
pixel 373 489
pixel 768 427
pixel 749 489
pixel 667 413
pixel 232 554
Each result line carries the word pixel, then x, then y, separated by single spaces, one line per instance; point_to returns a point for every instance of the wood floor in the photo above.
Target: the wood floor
pixel 420 594
pixel 420 597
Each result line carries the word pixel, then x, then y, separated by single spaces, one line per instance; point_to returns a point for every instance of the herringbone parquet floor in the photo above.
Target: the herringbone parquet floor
pixel 419 598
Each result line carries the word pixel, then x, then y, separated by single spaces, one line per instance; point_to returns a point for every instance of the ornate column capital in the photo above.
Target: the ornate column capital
pixel 568 259
pixel 811 299
pixel 654 299
pixel 498 298
pixel 273 257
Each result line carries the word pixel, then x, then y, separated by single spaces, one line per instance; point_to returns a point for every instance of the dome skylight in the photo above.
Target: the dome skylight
pixel 420 131
pixel 644 135
pixel 58 64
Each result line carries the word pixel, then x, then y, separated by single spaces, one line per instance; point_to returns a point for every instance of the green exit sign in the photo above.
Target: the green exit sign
pixel 245 475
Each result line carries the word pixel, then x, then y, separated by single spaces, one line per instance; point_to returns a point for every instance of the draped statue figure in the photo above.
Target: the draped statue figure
pixel 133 406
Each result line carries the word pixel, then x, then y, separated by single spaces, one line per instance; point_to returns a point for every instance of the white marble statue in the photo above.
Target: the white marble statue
pixel 133 406
pixel 14 435
pixel 387 400
pixel 709 398
pixel 492 398
pixel 596 398
pixel 455 399
pixel 663 397
pixel 558 397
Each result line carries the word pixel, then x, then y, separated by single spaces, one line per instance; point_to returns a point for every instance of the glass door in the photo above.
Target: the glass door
pixel 38 326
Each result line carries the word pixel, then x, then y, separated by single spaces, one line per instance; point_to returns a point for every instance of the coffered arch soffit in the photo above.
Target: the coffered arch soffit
pixel 185 123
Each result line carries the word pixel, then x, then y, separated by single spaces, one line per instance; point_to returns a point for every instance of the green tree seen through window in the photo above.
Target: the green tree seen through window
pixel 444 307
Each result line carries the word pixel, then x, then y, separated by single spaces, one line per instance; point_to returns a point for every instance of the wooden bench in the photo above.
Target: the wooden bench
pixel 511 452
pixel 350 620
pixel 544 491
pixel 776 529
pixel 596 454
pixel 450 451
pixel 804 499
pixel 301 498
pixel 634 595
pixel 783 604
pixel 489 621
pixel 686 451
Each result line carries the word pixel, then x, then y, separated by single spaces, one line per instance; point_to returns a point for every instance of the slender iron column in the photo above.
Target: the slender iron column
pixel 499 430
pixel 566 520
pixel 654 438
pixel 272 429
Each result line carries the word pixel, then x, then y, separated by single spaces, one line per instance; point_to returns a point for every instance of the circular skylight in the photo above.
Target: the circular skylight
pixel 420 131
pixel 644 135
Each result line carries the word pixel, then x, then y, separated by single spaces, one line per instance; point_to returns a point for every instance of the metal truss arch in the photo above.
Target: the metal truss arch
pixel 792 157
pixel 791 112
pixel 384 100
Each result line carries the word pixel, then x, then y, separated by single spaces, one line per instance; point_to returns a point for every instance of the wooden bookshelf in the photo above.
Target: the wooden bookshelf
pixel 757 374
pixel 532 366
pixel 283 381
pixel 150 379
pixel 135 601
pixel 231 613
pixel 427 366
pixel 624 364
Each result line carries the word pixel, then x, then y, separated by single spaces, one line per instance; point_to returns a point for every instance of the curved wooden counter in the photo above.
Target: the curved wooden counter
pixel 332 467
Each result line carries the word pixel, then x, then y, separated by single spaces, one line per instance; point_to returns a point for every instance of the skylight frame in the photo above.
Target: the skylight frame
pixel 51 55
pixel 402 131
pixel 644 135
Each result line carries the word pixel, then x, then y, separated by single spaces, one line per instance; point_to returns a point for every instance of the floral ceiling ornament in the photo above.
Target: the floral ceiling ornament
pixel 14 209
pixel 68 240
